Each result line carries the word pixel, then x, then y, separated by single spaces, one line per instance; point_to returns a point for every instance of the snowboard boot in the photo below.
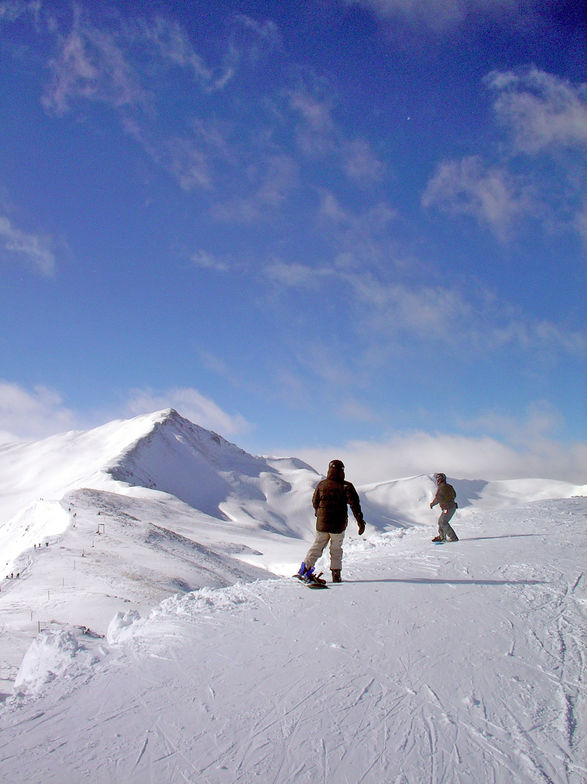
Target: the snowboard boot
pixel 336 578
pixel 301 575
pixel 439 538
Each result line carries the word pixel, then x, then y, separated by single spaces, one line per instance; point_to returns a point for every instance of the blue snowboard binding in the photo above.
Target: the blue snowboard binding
pixel 308 576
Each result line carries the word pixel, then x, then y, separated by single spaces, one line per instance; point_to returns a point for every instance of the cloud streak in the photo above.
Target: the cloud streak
pixel 34 250
pixel 91 65
pixel 490 194
pixel 190 403
pixel 28 415
pixel 438 15
pixel 387 313
pixel 542 111
pixel 459 456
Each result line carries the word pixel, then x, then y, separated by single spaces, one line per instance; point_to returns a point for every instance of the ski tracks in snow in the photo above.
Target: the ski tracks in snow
pixel 450 665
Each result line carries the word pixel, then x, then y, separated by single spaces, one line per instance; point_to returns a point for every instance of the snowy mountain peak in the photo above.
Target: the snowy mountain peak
pixel 169 421
pixel 161 451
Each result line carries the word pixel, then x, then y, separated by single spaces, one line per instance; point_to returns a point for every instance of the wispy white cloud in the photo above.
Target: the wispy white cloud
pixel 361 164
pixel 266 32
pixel 295 275
pixel 542 111
pixel 188 159
pixel 28 415
pixel 92 65
pixel 464 322
pixel 272 181
pixel 534 334
pixel 316 113
pixel 440 15
pixel 490 194
pixel 105 65
pixel 190 403
pixel 205 260
pixel 279 179
pixel 292 389
pixel 318 135
pixel 361 237
pixel 459 456
pixel 10 10
pixel 544 115
pixel 174 45
pixel 539 422
pixel 315 131
pixel 34 250
pixel 387 313
pixel 187 162
pixel 435 314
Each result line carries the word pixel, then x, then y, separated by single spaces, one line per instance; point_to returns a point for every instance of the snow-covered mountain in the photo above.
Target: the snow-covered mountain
pixel 150 457
pixel 131 512
pixel 211 490
pixel 148 557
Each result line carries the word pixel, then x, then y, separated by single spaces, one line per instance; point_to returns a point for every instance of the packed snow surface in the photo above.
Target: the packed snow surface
pixel 154 632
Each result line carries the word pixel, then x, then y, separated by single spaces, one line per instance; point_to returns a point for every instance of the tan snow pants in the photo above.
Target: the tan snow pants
pixel 317 548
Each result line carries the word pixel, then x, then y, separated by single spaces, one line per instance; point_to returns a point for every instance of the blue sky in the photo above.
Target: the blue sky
pixel 324 227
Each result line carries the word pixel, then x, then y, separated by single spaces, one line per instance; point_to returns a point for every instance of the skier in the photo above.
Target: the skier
pixel 330 500
pixel 445 497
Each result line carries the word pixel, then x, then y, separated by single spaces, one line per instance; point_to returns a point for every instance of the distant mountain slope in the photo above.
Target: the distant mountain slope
pixel 160 452
pixel 215 476
pixel 404 502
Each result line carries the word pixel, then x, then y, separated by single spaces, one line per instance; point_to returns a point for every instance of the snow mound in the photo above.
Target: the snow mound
pixel 53 654
pixel 206 600
pixel 397 503
pixel 122 627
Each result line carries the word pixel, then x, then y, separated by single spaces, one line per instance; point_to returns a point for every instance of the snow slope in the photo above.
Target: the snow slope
pixel 155 633
pixel 459 663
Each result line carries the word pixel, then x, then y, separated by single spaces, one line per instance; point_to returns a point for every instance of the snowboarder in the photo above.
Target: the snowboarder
pixel 445 497
pixel 330 500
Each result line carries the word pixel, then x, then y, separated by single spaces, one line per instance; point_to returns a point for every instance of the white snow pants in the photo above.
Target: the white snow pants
pixel 317 548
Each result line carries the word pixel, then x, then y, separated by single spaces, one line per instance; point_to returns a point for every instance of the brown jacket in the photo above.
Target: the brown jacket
pixel 330 500
pixel 445 496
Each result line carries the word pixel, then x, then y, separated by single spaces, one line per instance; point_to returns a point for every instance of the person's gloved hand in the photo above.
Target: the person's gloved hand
pixel 361 527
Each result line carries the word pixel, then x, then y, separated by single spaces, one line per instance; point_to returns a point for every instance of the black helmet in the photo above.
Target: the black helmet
pixel 440 478
pixel 338 464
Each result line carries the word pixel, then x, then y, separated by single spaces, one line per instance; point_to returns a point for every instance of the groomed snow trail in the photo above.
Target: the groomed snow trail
pixel 446 664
